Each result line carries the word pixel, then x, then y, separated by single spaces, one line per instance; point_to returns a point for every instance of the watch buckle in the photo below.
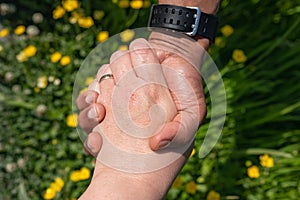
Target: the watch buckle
pixel 197 22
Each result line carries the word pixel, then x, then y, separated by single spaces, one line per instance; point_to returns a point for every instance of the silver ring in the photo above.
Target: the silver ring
pixel 105 76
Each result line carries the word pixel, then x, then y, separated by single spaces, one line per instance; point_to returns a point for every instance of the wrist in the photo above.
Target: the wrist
pixel 208 7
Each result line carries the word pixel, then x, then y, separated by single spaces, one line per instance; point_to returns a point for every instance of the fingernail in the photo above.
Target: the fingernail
pixel 89 145
pixel 92 113
pixel 89 98
pixel 163 144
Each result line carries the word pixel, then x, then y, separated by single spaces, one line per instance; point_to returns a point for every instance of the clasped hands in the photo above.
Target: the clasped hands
pixel 152 94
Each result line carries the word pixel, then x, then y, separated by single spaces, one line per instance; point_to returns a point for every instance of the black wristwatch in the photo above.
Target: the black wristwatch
pixel 190 20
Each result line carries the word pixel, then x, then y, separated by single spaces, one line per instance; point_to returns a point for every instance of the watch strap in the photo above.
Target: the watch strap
pixel 189 20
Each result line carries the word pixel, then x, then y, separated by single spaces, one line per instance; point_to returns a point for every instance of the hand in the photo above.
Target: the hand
pixel 185 85
pixel 140 68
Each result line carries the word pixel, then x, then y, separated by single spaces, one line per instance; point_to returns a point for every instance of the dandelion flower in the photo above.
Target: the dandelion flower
pixel 42 82
pixel 37 18
pixel 32 30
pixel 58 12
pixel 191 187
pixel 89 80
pixel 72 120
pixel 30 51
pixel 227 30
pixel 70 5
pixel 253 171
pixel 98 14
pixel 49 194
pixel 213 195
pixel 85 173
pixel 127 35
pixel 4 32
pixel 136 4
pixel 239 56
pixel 55 57
pixel 85 22
pixel 266 161
pixel 177 183
pixel 123 47
pixel 123 3
pixel 21 57
pixel 102 36
pixel 65 60
pixel 75 176
pixel 20 30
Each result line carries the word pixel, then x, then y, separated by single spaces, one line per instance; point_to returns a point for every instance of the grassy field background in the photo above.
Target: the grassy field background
pixel 42 46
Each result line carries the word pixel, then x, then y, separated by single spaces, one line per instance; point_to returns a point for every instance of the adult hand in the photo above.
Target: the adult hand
pixel 138 78
pixel 184 81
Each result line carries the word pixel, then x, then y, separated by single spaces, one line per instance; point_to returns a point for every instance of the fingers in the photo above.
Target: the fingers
pixel 145 62
pixel 93 143
pixel 91 116
pixel 120 65
pixel 86 98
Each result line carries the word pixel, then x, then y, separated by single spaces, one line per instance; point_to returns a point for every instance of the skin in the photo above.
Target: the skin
pixel 108 183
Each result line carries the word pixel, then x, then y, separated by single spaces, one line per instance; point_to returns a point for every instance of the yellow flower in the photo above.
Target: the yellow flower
pixel 72 120
pixel 89 80
pixel 85 22
pixel 55 57
pixel 83 90
pixel 213 195
pixel 30 51
pixel 98 14
pixel 37 90
pixel 21 57
pixel 127 35
pixel 239 56
pixel 102 36
pixel 4 32
pixel 193 152
pixel 123 47
pixel 219 42
pixel 58 12
pixel 70 5
pixel 75 176
pixel 59 182
pixel 191 187
pixel 49 194
pixel 253 172
pixel 147 4
pixel 266 161
pixel 248 163
pixel 54 187
pixel 227 30
pixel 136 4
pixel 75 16
pixel 20 30
pixel 123 4
pixel 42 82
pixel 84 174
pixel 54 142
pixel 65 60
pixel 177 183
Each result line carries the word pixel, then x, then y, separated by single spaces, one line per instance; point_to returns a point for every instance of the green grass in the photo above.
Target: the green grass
pixel 263 103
